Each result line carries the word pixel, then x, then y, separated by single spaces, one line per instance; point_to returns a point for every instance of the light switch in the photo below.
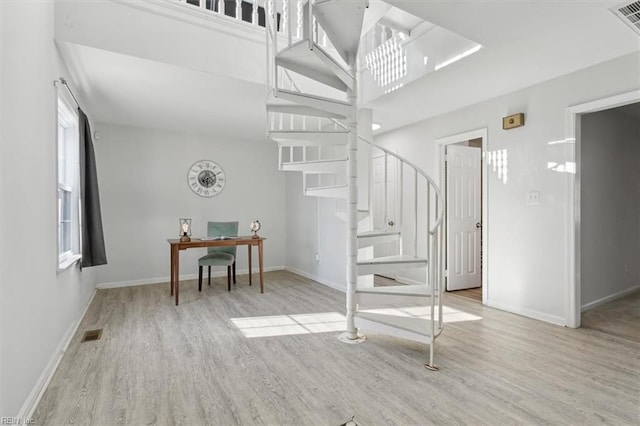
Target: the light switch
pixel 533 198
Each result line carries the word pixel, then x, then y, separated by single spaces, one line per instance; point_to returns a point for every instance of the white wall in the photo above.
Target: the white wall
pixel 39 308
pixel 143 182
pixel 610 204
pixel 313 228
pixel 214 42
pixel 527 259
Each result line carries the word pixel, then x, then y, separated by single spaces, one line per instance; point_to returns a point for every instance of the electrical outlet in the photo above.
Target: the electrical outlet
pixel 317 257
pixel 533 198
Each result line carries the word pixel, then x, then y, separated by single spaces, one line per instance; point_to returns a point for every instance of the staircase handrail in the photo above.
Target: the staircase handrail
pixel 440 213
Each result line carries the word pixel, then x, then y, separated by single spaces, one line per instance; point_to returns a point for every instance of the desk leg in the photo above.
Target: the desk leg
pixel 261 266
pixel 172 275
pixel 176 267
pixel 249 247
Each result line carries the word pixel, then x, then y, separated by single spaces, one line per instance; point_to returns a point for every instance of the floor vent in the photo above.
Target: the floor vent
pixel 91 335
pixel 629 12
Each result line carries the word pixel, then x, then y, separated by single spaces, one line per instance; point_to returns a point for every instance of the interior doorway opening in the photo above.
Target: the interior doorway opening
pixel 609 194
pixel 463 184
pixel 574 301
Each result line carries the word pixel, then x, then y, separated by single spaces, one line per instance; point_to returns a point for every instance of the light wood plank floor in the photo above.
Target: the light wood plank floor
pixel 471 293
pixel 191 365
pixel 620 317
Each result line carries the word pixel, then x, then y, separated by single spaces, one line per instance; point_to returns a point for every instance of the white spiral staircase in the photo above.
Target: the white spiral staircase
pixel 313 113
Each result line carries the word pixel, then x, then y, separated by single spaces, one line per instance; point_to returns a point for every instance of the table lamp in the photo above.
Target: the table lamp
pixel 185 230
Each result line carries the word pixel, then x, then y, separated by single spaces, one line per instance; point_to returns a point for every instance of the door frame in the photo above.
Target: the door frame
pixel 441 143
pixel 573 306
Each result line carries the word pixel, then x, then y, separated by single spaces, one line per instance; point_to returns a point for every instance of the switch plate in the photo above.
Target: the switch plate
pixel 533 198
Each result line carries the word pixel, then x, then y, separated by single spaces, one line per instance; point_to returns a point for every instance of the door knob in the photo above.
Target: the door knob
pixel 478 225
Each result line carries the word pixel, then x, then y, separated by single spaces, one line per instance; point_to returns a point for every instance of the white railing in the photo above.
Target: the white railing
pixel 289 15
pixel 245 11
pixel 432 211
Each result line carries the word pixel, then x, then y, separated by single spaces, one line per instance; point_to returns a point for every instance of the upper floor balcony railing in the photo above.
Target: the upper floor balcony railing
pixel 288 15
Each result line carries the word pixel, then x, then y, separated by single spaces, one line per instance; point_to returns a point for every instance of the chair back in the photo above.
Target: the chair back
pixel 222 229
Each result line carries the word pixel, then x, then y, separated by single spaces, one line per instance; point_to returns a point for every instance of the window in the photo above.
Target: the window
pixel 68 186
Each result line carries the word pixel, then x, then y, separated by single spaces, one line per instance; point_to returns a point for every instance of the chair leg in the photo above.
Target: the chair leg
pixel 209 275
pixel 229 277
pixel 234 271
pixel 199 278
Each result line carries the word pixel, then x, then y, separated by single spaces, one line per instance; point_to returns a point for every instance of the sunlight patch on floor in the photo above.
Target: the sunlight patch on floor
pixel 284 325
pixel 325 322
pixel 448 314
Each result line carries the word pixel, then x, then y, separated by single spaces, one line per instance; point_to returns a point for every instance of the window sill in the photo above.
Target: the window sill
pixel 68 262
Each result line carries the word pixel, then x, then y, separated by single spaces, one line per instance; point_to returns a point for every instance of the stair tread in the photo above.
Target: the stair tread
pixel 317 188
pixel 288 107
pixel 412 324
pixel 392 260
pixel 400 290
pixel 342 22
pixel 310 132
pixel 335 160
pixel 315 64
pixel 339 108
pixel 312 96
pixel 377 233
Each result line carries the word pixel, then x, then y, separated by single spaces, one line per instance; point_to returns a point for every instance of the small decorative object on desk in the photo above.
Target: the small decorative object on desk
pixel 185 230
pixel 255 227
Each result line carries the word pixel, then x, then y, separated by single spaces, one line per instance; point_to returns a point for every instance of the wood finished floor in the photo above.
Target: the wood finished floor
pixel 190 365
pixel 620 317
pixel 471 293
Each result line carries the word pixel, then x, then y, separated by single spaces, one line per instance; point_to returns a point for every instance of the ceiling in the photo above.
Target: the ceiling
pixel 131 91
pixel 524 43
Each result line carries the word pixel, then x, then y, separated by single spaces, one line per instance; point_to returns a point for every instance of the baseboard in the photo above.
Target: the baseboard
pixel 609 298
pixel 319 280
pixel 542 316
pixel 32 401
pixel 160 280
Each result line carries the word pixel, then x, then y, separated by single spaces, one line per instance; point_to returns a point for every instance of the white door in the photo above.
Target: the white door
pixel 464 228
pixel 385 206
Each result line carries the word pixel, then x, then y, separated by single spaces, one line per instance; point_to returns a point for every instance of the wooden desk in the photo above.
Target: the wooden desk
pixel 177 245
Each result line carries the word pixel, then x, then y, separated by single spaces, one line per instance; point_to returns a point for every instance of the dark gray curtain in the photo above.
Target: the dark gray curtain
pixel 93 251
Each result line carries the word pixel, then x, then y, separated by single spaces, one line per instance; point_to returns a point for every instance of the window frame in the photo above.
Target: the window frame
pixel 68 180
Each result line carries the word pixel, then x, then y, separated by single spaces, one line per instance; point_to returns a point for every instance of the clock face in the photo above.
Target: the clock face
pixel 206 178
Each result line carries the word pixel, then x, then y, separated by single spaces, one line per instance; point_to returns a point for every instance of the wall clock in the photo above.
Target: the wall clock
pixel 206 178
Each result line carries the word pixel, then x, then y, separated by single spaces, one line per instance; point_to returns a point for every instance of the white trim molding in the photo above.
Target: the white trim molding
pixel 542 316
pixel 609 298
pixel 166 280
pixel 460 137
pixel 334 285
pixel 573 306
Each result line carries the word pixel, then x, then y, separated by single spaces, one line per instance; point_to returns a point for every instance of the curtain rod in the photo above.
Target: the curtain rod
pixel 64 83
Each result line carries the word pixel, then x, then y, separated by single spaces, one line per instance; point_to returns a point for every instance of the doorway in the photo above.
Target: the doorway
pixel 386 205
pixel 579 211
pixel 462 171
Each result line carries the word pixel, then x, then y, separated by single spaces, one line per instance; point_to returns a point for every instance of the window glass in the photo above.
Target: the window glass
pixel 68 184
